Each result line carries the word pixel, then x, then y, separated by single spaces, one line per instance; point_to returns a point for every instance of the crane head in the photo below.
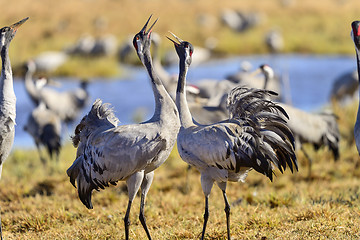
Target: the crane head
pixel 142 39
pixel 8 33
pixel 183 49
pixel 355 33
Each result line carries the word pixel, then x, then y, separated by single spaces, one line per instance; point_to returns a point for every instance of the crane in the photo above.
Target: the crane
pixel 254 137
pixel 107 153
pixel 318 129
pixel 72 101
pixel 45 127
pixel 7 97
pixel 355 35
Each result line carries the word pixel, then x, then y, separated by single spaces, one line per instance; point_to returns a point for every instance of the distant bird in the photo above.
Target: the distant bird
pixel 108 153
pixel 49 61
pixel 318 129
pixel 254 137
pixel 355 35
pixel 66 104
pixel 274 41
pixel 104 46
pixel 240 21
pixel 82 47
pixel 346 85
pixel 45 127
pixel 204 114
pixel 7 97
pixel 251 79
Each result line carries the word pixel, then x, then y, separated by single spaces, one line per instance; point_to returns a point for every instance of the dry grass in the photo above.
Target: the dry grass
pixel 308 26
pixel 38 202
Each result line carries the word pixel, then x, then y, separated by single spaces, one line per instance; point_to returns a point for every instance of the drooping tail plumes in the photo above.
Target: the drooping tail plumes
pixel 276 142
pixel 100 116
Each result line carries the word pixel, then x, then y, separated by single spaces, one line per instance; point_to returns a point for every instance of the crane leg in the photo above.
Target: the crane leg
pixel 42 159
pixel 309 161
pixel 145 186
pixel 127 221
pixel 187 185
pixel 133 184
pixel 206 216
pixel 227 212
pixel 222 186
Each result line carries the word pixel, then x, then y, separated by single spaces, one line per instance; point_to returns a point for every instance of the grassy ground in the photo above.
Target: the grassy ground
pixel 308 26
pixel 38 202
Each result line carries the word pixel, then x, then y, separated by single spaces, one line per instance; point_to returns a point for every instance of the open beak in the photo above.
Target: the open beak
pixel 150 29
pixel 15 26
pixel 177 38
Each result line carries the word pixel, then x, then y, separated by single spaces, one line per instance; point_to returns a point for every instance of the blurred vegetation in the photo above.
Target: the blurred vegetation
pixel 308 26
pixel 38 202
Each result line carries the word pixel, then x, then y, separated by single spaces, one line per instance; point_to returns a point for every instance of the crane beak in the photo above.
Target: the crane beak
pixel 150 29
pixel 256 72
pixel 15 26
pixel 177 38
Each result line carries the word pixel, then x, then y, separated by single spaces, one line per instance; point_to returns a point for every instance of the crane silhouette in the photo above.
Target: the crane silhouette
pixel 355 35
pixel 7 97
pixel 45 127
pixel 108 153
pixel 254 137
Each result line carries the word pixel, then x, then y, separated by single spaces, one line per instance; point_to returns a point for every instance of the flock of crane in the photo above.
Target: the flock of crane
pixel 246 129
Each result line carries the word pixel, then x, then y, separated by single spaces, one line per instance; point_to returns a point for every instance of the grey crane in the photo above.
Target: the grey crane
pixel 7 98
pixel 66 104
pixel 345 86
pixel 355 35
pixel 45 127
pixel 254 137
pixel 108 153
pixel 318 129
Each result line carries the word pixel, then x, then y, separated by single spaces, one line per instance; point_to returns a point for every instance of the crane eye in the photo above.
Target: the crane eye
pixel 137 38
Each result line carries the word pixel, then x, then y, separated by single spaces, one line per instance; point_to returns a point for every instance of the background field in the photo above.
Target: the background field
pixel 307 26
pixel 38 202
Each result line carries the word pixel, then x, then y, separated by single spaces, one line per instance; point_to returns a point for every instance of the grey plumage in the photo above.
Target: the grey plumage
pixel 108 153
pixel 254 137
pixel 318 129
pixel 66 104
pixel 45 127
pixel 7 95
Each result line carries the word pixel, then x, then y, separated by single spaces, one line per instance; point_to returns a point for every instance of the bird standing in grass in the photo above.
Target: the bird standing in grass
pixel 45 127
pixel 108 153
pixel 7 95
pixel 254 137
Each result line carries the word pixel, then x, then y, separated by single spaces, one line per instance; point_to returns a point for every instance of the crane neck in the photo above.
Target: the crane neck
pixel 181 103
pixel 30 85
pixel 266 81
pixel 163 101
pixel 6 85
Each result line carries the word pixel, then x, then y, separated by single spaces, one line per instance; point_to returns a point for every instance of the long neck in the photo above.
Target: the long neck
pixel 6 86
pixel 266 81
pixel 358 68
pixel 162 98
pixel 30 85
pixel 181 103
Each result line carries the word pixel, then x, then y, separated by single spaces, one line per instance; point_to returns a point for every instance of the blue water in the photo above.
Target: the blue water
pixel 310 78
